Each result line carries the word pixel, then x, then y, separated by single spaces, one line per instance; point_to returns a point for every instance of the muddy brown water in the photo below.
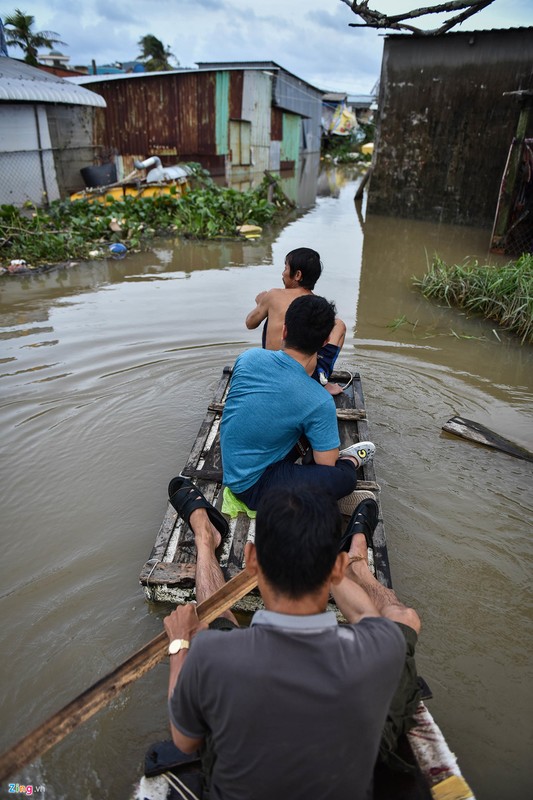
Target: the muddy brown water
pixel 106 371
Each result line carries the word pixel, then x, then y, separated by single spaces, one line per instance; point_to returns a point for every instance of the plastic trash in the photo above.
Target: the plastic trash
pixel 118 249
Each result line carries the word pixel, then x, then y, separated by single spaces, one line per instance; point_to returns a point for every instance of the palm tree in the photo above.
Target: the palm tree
pixel 18 30
pixel 154 54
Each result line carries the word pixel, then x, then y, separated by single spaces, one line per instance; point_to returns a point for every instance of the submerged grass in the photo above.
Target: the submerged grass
pixel 503 294
pixel 72 230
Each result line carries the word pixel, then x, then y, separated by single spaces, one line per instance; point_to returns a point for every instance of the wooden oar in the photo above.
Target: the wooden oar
pixel 103 691
pixel 475 432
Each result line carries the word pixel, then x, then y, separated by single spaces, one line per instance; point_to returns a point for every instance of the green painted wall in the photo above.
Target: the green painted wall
pixel 290 144
pixel 222 113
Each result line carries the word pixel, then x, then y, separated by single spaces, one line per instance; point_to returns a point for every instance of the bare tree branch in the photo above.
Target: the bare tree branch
pixel 461 17
pixel 376 19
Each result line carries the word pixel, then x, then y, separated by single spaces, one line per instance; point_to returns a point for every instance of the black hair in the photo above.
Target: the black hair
pixel 297 539
pixel 309 320
pixel 308 262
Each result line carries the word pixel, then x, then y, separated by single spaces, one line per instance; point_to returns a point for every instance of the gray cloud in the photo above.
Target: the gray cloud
pixel 311 38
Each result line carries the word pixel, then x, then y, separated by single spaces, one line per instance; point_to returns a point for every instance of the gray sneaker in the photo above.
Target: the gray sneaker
pixel 363 452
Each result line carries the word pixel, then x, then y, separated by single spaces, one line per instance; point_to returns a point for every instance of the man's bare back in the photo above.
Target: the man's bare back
pixel 272 305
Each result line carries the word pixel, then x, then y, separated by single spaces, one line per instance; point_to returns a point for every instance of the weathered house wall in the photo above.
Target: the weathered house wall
pixel 256 105
pixel 444 126
pixel 170 115
pixel 236 118
pixel 291 96
pixel 294 95
pixel 46 134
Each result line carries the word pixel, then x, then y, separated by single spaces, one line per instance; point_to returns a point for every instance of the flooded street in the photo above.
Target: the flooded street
pixel 106 373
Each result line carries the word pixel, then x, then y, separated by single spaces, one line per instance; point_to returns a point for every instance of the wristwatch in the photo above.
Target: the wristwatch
pixel 176 645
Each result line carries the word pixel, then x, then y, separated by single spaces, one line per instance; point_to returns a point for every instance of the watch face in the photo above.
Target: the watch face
pixel 176 645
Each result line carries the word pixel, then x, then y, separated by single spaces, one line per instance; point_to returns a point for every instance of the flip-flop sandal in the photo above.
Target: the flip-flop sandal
pixel 363 520
pixel 185 497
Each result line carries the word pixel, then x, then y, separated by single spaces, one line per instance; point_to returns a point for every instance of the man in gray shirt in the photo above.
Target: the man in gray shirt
pixel 295 705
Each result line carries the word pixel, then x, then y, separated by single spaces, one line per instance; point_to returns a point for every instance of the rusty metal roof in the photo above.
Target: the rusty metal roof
pixel 20 82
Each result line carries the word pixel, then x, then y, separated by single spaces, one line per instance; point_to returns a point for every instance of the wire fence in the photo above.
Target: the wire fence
pixel 44 175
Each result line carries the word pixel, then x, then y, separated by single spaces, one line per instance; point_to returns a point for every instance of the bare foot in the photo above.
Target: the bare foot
pixel 205 534
pixel 333 388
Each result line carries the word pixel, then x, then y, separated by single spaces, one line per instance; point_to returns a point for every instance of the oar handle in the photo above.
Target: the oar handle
pixel 104 690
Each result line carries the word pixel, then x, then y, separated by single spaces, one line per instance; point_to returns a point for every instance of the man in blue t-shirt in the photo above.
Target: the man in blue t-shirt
pixel 271 403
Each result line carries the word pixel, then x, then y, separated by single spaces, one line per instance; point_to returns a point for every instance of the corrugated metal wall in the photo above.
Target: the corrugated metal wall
pixel 290 145
pixel 256 105
pixel 445 125
pixel 235 94
pixel 222 112
pixel 186 116
pixel 167 115
pixel 276 125
pixel 292 94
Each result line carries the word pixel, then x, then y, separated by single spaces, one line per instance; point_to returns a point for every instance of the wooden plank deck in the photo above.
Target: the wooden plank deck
pixel 169 574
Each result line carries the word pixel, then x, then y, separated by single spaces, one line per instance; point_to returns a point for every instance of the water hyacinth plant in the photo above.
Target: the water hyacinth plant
pixel 503 294
pixel 71 230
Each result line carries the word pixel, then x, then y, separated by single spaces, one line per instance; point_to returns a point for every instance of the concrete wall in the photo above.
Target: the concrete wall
pixel 445 126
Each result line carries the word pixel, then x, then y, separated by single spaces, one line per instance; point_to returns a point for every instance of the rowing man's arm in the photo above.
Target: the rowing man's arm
pixel 260 312
pixel 183 623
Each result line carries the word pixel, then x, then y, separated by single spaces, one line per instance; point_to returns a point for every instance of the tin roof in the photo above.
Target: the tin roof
pixel 102 77
pixel 22 83
pixel 202 66
pixel 334 97
pixel 463 32
pixel 260 65
pixel 361 100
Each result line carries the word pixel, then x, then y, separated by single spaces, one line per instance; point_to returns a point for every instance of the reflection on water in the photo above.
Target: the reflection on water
pixel 107 371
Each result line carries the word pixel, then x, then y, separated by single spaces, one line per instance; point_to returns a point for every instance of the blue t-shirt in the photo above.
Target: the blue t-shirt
pixel 271 402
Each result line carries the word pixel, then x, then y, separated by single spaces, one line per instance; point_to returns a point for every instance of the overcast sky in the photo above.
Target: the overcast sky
pixel 310 38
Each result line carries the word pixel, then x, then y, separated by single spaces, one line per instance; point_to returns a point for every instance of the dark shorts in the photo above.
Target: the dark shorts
pixel 338 481
pixel 400 718
pixel 327 357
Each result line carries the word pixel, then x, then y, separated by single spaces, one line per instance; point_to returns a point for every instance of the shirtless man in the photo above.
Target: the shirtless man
pixel 302 270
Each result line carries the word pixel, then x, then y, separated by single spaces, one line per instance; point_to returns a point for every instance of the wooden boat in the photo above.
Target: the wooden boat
pixel 158 181
pixel 168 576
pixel 132 188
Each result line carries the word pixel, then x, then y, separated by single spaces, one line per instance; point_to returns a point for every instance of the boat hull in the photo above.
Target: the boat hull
pixel 168 576
pixel 106 195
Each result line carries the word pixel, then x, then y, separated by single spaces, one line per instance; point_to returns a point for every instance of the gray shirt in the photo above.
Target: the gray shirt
pixel 295 704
